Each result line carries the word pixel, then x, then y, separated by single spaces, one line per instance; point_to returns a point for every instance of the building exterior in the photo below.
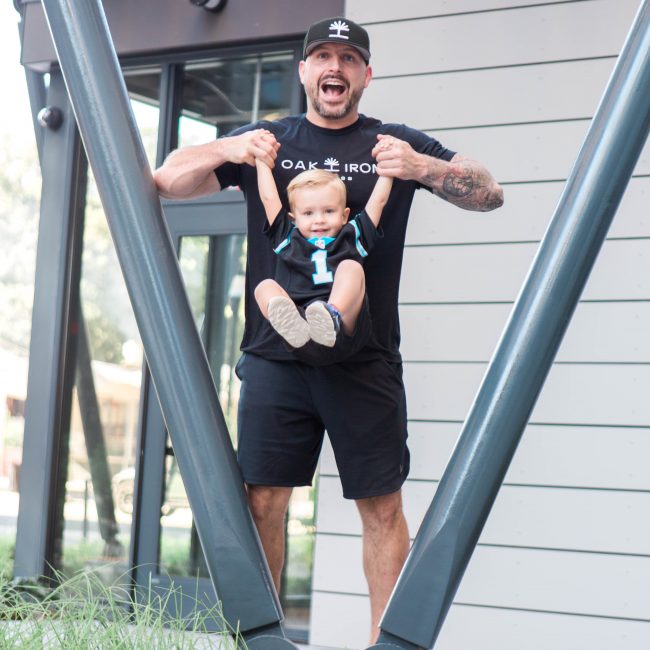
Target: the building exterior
pixel 564 560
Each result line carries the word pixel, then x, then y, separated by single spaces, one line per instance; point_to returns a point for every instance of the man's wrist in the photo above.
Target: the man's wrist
pixel 431 170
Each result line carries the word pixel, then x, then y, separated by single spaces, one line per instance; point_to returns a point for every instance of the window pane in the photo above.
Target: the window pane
pixel 212 269
pixel 295 594
pixel 221 95
pixel 143 87
pixel 101 447
pixel 100 455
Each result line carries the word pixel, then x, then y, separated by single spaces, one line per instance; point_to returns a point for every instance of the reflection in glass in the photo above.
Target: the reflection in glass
pixel 213 270
pixel 143 86
pixel 101 446
pixel 295 591
pixel 98 456
pixel 221 95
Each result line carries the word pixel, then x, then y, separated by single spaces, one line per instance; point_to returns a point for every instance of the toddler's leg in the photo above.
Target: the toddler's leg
pixel 348 291
pixel 266 290
pixel 342 308
pixel 282 313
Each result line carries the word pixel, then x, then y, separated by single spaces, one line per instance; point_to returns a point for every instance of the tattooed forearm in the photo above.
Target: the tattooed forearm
pixel 466 184
pixel 460 185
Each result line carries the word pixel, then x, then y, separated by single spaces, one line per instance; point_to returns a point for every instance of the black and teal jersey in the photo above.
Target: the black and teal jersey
pixel 305 267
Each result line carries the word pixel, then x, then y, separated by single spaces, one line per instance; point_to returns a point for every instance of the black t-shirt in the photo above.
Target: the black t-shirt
pixel 347 152
pixel 306 268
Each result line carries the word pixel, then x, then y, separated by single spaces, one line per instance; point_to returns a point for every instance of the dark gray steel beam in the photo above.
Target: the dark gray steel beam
pixel 88 404
pixel 47 386
pixel 525 352
pixel 172 345
pixel 100 473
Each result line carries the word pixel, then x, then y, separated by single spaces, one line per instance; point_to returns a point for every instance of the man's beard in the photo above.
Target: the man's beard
pixel 339 112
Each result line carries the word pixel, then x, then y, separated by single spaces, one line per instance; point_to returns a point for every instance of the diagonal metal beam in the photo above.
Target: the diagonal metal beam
pixel 51 350
pixel 519 367
pixel 88 404
pixel 172 345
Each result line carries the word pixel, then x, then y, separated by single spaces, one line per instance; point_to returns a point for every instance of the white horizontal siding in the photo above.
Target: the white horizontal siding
pixel 525 215
pixel 480 628
pixel 557 91
pixel 528 152
pixel 489 39
pixel 534 579
pixel 495 272
pixel 565 519
pixel 612 458
pixel 612 332
pixel 371 11
pixel 614 395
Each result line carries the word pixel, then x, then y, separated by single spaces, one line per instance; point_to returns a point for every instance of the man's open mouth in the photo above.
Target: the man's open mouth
pixel 333 87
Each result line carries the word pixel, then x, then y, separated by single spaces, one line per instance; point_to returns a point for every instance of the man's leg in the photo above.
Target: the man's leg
pixel 269 507
pixel 385 547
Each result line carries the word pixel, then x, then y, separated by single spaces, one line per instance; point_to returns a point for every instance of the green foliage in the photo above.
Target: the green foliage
pixel 6 558
pixel 105 337
pixel 76 557
pixel 20 188
pixel 299 564
pixel 175 555
pixel 82 612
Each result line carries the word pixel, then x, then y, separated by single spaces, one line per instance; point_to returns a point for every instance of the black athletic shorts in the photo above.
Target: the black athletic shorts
pixel 285 407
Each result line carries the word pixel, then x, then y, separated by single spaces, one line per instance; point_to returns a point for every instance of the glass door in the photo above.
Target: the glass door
pixel 213 270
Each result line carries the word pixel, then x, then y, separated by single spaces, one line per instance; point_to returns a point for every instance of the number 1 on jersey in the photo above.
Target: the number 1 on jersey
pixel 322 275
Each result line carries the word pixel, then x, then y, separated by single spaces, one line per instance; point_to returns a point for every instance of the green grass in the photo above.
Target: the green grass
pixel 6 558
pixel 82 612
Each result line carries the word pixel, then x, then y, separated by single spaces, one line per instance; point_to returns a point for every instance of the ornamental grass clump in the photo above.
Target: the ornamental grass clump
pixel 84 613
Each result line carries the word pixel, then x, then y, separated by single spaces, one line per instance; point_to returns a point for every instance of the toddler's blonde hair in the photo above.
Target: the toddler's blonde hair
pixel 315 178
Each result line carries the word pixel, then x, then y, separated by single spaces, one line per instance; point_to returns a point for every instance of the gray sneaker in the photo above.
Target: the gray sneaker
pixel 287 321
pixel 324 322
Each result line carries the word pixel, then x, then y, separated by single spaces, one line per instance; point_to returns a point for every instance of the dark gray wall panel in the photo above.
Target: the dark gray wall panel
pixel 149 26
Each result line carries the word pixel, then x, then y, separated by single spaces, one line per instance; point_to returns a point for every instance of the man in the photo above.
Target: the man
pixel 285 404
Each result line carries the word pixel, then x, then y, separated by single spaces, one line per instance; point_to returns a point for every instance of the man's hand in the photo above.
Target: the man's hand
pixel 397 159
pixel 259 144
pixel 461 181
pixel 188 173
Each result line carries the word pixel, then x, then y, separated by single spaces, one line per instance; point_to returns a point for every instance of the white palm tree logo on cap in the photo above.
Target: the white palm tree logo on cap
pixel 339 26
pixel 331 163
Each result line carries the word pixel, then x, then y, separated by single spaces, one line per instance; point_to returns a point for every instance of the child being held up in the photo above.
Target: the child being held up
pixel 320 256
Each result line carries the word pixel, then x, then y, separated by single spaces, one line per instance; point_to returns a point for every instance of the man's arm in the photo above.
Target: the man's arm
pixel 461 181
pixel 188 173
pixel 268 191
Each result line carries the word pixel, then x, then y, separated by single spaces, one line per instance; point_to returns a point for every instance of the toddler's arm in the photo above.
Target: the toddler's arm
pixel 379 198
pixel 268 190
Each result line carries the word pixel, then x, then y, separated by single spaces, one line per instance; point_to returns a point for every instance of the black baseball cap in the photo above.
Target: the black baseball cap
pixel 337 30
